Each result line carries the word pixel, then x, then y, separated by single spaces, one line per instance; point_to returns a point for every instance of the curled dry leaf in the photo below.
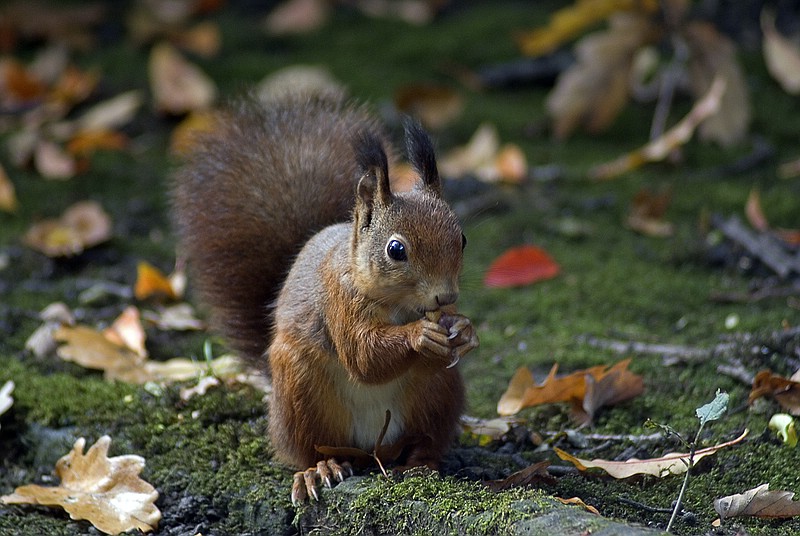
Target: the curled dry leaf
pixel 785 391
pixel 178 317
pixel 178 86
pixel 86 142
pixel 754 212
pixel 577 501
pixel 758 502
pixel 112 113
pixel 659 148
pixel 42 341
pixel 127 331
pixel 532 475
pixel 586 390
pixel 8 196
pixel 83 225
pixel 781 55
pixel 152 283
pixel 105 491
pixel 520 266
pixel 674 463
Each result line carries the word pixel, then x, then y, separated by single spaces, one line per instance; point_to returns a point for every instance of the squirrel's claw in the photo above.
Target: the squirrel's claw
pixel 304 483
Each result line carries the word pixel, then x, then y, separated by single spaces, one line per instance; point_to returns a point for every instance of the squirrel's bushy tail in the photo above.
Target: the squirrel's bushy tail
pixel 255 188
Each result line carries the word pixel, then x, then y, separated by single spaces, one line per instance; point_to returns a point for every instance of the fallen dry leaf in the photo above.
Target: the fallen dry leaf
pixel 758 502
pixel 297 17
pixel 203 39
pixel 785 391
pixel 584 394
pixel 41 342
pixel 86 142
pixel 754 212
pixel 781 55
pixel 82 226
pixel 127 331
pixel 52 162
pixel 486 430
pixel 520 266
pixel 152 283
pixel 6 400
pixel 674 463
pixel 592 92
pixel 178 86
pixel 713 56
pixel 483 157
pixel 532 475
pixel 568 22
pixel 434 105
pixel 73 86
pixel 8 196
pixel 105 491
pixel 18 85
pixel 646 215
pixel 178 317
pixel 659 148
pixel 112 113
pixel 307 79
pixel 577 501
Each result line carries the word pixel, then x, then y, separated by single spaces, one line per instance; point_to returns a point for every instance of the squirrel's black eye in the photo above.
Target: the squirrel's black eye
pixel 396 250
pixel 463 241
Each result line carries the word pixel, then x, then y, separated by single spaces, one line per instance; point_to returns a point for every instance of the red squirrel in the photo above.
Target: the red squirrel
pixel 308 259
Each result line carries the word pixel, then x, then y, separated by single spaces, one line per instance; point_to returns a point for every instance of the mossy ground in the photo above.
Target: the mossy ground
pixel 209 457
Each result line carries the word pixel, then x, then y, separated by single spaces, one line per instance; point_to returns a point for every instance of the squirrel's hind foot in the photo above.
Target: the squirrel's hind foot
pixel 304 484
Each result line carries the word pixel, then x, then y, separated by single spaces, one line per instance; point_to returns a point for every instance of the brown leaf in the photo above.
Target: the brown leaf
pixel 105 491
pixel 785 392
pixel 758 502
pixel 616 385
pixel 178 86
pixel 535 474
pixel 82 225
pixel 781 55
pixel 203 39
pixel 593 91
pixel 127 331
pixel 659 148
pixel 86 142
pixel 8 196
pixel 73 86
pixel 713 56
pixel 578 502
pixel 646 214
pixel 434 105
pixel 674 463
pixel 18 85
pixel 754 212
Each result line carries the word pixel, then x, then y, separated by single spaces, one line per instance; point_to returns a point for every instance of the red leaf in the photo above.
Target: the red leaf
pixel 519 266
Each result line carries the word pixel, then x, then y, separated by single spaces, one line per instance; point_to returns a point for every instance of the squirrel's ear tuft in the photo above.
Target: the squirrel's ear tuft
pixel 421 155
pixel 374 167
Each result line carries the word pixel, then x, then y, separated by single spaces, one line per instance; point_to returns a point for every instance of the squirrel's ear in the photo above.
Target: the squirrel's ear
pixel 422 156
pixel 373 187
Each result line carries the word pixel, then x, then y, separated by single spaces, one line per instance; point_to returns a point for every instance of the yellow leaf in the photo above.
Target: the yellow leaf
pixel 184 136
pixel 568 22
pixel 151 282
pixel 105 491
pixel 673 463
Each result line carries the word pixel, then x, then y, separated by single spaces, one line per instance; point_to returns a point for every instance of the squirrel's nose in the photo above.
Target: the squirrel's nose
pixel 446 298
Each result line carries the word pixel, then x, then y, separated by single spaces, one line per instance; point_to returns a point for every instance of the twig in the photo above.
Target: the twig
pixel 736 371
pixel 666 90
pixel 674 351
pixel 642 506
pixel 762 245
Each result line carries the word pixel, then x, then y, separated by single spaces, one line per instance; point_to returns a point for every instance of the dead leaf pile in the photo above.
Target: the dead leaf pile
pixel 105 491
pixel 673 463
pixel 585 390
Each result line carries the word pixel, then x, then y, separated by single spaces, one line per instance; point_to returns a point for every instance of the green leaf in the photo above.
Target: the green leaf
pixel 714 409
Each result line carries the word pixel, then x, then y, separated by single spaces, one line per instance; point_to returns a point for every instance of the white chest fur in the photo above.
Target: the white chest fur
pixel 367 405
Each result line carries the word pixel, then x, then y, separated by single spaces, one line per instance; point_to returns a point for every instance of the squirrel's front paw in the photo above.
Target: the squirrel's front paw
pixel 304 484
pixel 445 337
